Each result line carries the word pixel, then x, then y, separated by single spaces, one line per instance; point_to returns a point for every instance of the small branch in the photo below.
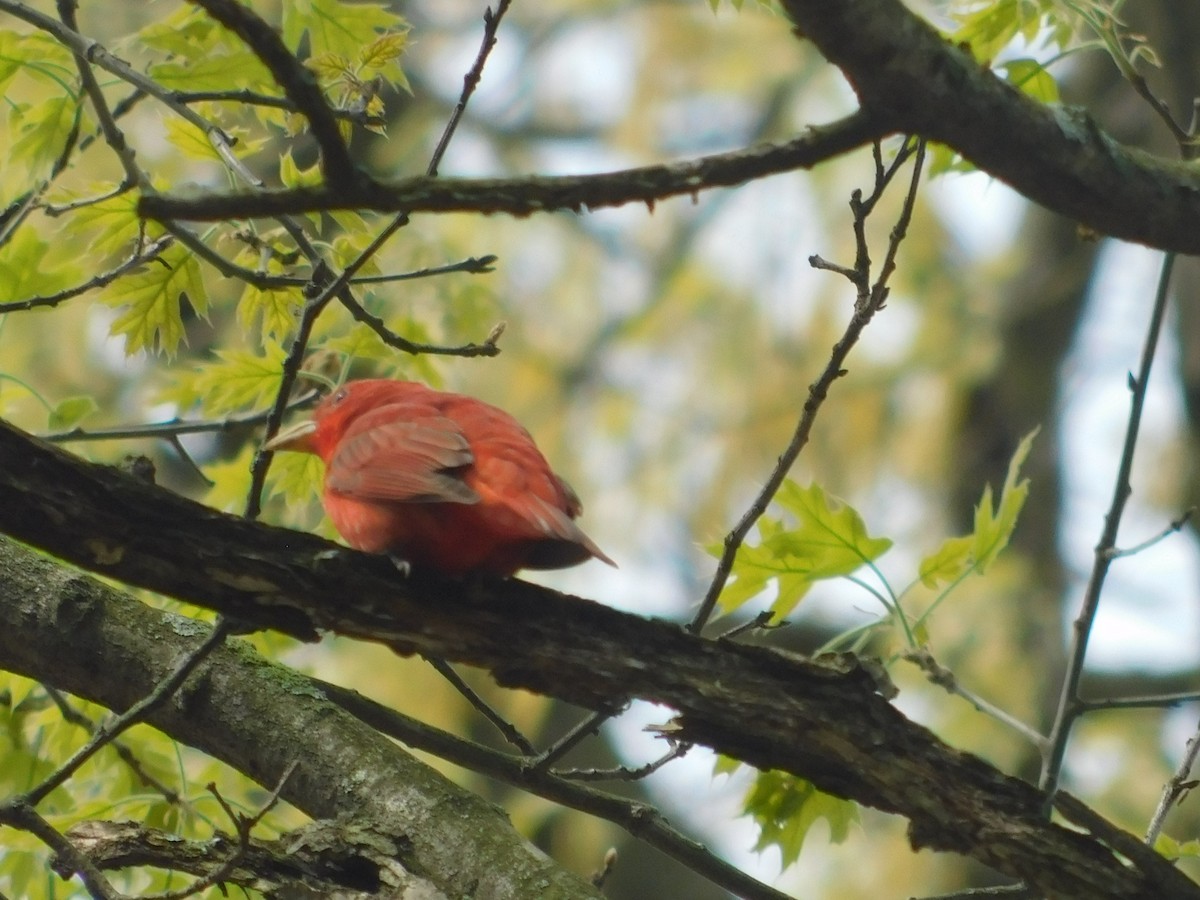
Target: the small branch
pixel 573 738
pixel 625 773
pixel 75 717
pixel 526 196
pixel 139 257
pixel 869 301
pixel 491 24
pixel 113 136
pixel 643 822
pixel 1171 529
pixel 171 429
pixel 506 728
pixel 762 621
pixel 132 716
pixel 18 813
pixel 1069 707
pixel 1179 785
pixel 1150 701
pixel 489 346
pixel 945 679
pixel 254 98
pixel 244 825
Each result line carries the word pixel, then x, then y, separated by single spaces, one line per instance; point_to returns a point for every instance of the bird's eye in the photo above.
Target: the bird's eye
pixel 339 396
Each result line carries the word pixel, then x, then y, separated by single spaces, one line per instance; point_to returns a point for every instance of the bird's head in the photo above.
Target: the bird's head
pixel 333 415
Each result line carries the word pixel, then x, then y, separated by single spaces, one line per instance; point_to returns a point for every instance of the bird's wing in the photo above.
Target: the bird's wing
pixel 534 503
pixel 387 455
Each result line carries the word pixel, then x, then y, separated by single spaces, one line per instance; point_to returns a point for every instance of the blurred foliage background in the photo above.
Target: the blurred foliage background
pixel 661 358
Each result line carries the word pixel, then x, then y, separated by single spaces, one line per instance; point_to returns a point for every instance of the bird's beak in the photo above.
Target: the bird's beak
pixel 297 437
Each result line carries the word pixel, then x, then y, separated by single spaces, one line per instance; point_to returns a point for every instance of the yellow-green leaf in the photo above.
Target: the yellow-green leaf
pixel 30 266
pixel 830 535
pixel 829 539
pixel 785 809
pixel 42 132
pixel 1031 78
pixel 151 301
pixel 230 481
pixel 334 27
pixel 297 478
pixel 239 380
pixel 993 527
pixel 274 311
pixel 71 411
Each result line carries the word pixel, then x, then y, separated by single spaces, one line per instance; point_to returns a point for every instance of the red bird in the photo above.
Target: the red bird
pixel 443 481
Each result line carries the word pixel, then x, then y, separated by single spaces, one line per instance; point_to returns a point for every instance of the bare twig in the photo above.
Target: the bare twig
pixel 1148 701
pixel 103 735
pixel 491 24
pixel 19 813
pixel 569 741
pixel 642 821
pixel 1171 529
pixel 945 679
pixel 75 717
pixel 625 773
pixel 870 299
pixel 173 428
pixel 506 728
pixel 1069 706
pixel 1179 785
pixel 244 825
pixel 535 194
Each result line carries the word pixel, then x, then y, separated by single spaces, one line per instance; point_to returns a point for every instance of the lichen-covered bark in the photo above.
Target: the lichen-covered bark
pixel 84 637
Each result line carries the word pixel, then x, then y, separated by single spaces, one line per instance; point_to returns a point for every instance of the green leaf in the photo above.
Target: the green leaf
pixel 42 132
pixel 987 28
pixel 829 540
pixel 975 552
pixel 238 380
pixel 112 225
pixel 151 301
pixel 297 477
pixel 830 535
pixel 230 481
pixel 785 809
pixel 71 411
pixel 336 27
pixel 30 266
pixel 1173 849
pixel 273 311
pixel 1030 77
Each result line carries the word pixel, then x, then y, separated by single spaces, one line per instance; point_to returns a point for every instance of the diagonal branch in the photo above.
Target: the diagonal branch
pixel 525 196
pixel 751 703
pixel 916 81
pixel 101 644
pixel 909 79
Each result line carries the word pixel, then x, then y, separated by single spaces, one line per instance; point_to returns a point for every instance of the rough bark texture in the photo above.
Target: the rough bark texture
pixel 77 634
pixel 909 79
pixel 822 721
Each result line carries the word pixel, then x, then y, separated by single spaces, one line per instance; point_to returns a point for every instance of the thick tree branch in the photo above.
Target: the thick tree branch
pixel 525 196
pixel 822 721
pixel 909 79
pixel 916 81
pixel 98 643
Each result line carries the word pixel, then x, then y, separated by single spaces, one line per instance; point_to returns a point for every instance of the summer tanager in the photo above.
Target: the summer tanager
pixel 442 481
